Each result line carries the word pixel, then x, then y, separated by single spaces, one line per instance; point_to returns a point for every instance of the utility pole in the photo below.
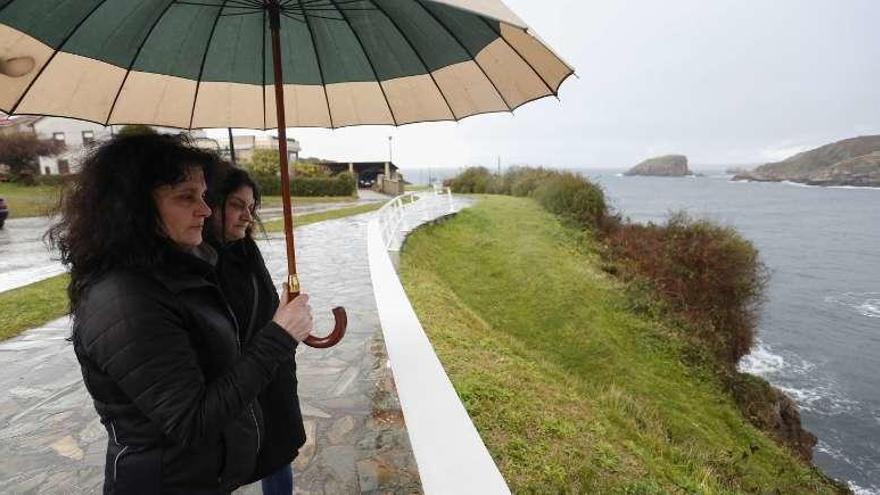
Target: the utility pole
pixel 390 158
pixel 499 164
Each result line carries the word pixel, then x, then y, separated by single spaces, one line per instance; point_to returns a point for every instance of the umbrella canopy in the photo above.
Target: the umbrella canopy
pixel 208 63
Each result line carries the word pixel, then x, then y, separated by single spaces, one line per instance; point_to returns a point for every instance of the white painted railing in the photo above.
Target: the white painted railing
pixel 450 454
pixel 400 215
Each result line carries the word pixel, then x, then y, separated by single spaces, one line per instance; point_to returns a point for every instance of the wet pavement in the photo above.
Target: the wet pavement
pixel 51 441
pixel 25 258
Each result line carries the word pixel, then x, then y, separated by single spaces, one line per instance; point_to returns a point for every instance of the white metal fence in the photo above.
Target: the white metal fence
pixel 407 211
pixel 450 454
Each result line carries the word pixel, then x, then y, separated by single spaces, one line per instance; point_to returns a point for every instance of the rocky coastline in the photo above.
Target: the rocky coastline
pixel 662 166
pixel 850 162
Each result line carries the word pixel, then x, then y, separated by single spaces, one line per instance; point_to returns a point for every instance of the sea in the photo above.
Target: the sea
pixel 819 331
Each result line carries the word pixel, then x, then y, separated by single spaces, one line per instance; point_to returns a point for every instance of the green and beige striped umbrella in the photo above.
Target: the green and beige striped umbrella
pixel 208 63
pixel 227 63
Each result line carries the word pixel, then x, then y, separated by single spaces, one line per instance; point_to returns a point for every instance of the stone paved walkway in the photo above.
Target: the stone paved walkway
pixel 51 441
pixel 24 258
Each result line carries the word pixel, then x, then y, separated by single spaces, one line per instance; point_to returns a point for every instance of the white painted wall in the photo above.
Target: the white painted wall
pixel 73 138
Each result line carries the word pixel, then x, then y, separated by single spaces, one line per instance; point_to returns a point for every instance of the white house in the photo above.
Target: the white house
pixel 77 135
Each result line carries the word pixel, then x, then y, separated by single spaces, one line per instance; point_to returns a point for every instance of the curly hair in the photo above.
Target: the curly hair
pixel 107 218
pixel 227 180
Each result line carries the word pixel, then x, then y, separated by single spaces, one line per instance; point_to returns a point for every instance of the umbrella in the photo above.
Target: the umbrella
pixel 232 63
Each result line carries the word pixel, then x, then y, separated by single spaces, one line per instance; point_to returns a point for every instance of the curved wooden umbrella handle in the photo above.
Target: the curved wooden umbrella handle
pixel 335 336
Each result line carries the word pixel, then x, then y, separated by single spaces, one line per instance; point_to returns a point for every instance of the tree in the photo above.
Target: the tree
pixel 20 151
pixel 265 163
pixel 132 129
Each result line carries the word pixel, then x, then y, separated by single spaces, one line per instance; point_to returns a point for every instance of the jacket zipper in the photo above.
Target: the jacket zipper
pixel 118 455
pixel 238 342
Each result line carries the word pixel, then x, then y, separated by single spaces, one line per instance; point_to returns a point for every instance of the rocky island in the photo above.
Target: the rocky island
pixel 851 162
pixel 662 166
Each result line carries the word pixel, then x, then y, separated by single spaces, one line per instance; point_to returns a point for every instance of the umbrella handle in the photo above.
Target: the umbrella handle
pixel 335 335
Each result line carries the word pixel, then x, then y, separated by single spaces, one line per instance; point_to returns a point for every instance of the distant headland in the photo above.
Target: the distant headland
pixel 850 162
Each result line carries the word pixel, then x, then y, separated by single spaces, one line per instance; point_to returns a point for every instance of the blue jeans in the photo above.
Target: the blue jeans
pixel 280 482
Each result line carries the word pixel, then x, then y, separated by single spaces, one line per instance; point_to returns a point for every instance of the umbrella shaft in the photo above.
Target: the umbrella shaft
pixel 275 27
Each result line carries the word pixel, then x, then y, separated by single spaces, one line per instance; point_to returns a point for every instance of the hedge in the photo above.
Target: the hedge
pixel 338 185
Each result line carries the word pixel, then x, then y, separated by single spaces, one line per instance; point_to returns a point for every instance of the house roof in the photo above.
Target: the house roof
pixel 358 166
pixel 7 121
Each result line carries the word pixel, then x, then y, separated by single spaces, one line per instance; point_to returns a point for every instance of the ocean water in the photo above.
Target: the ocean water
pixel 819 334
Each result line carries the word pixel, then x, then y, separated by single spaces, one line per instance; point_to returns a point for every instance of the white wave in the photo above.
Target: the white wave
pixel 871 308
pixel 799 184
pixel 865 303
pixel 858 490
pixel 761 361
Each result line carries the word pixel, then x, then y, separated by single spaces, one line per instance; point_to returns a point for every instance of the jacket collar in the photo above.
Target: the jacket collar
pixel 188 269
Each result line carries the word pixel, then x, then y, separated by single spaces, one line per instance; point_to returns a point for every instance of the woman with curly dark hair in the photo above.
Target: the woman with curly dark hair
pixel 248 286
pixel 156 339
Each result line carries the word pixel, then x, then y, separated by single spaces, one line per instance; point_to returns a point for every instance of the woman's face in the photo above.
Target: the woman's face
pixel 182 208
pixel 238 213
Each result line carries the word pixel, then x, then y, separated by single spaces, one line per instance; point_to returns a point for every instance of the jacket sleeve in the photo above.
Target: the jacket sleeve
pixel 141 343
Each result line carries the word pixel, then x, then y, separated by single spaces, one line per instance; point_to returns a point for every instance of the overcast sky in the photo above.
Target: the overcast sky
pixel 722 81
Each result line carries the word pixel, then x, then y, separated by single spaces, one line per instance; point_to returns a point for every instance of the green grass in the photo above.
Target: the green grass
pixel 275 201
pixel 300 220
pixel 28 201
pixel 571 391
pixel 32 305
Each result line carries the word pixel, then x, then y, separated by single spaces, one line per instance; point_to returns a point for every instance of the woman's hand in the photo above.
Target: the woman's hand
pixel 295 317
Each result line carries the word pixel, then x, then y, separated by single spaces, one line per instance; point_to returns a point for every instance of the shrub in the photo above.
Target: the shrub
pixel 474 180
pixel 707 273
pixel 523 181
pixel 337 185
pixel 573 198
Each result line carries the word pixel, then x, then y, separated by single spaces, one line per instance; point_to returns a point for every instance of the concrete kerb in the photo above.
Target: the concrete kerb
pixel 449 452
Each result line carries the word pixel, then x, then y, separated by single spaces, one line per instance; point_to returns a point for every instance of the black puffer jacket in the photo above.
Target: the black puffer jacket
pixel 160 356
pixel 248 286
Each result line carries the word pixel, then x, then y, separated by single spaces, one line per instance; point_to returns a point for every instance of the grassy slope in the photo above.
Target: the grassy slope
pixel 28 201
pixel 571 391
pixel 275 201
pixel 32 305
pixel 301 220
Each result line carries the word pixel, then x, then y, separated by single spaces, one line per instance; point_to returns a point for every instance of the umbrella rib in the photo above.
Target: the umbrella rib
pixel 52 57
pixel 520 55
pixel 204 59
pixel 134 59
pixel 263 88
pixel 7 5
pixel 466 50
pixel 320 69
pixel 418 55
pixel 369 61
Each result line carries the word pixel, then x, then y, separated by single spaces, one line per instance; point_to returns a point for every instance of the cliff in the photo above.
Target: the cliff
pixel 662 166
pixel 849 162
pixel 859 171
pixel 588 376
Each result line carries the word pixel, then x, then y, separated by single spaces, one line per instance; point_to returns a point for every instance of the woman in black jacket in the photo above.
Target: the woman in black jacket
pixel 248 286
pixel 155 337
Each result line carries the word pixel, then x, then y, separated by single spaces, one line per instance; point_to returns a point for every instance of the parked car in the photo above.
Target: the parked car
pixel 4 212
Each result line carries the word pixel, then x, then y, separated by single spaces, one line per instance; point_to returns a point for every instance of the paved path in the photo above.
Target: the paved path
pixel 51 440
pixel 24 258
